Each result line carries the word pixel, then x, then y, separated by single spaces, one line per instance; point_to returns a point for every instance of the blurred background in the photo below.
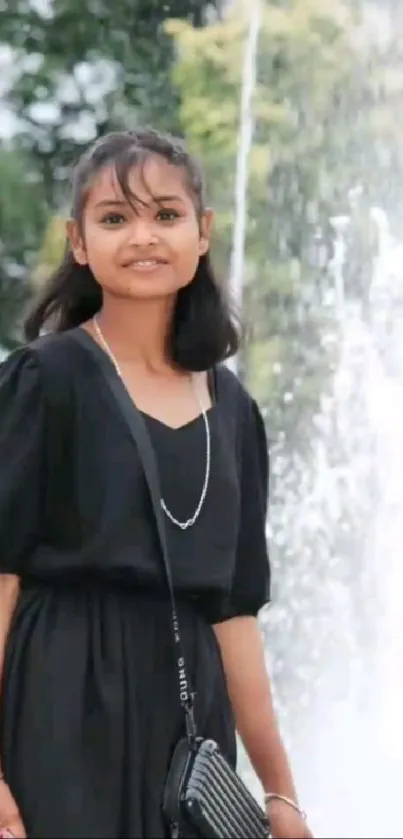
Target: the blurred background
pixel 294 107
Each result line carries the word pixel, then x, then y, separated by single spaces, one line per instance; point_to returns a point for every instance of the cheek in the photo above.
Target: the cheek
pixel 187 251
pixel 101 246
pixel 186 266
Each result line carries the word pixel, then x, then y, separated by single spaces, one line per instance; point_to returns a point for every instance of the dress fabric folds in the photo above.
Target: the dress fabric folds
pixel 90 710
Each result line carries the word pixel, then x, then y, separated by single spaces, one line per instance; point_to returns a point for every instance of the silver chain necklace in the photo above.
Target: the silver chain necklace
pixel 184 525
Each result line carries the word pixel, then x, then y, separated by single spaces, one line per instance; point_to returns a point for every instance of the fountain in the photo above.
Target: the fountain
pixel 342 719
pixel 336 623
pixel 245 136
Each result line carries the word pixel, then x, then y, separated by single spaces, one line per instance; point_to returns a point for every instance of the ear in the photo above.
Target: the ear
pixel 206 226
pixel 76 242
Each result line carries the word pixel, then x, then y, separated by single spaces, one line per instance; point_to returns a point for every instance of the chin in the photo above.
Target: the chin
pixel 142 291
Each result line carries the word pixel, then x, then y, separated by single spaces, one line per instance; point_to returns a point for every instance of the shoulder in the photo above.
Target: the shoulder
pixel 48 349
pixel 244 411
pixel 21 391
pixel 229 386
pixel 58 358
pixel 39 366
pixel 234 392
pixel 18 371
pixel 54 349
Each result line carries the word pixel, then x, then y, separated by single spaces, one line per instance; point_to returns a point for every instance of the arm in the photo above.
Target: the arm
pixel 22 435
pixel 9 588
pixel 250 694
pixel 249 690
pixel 9 816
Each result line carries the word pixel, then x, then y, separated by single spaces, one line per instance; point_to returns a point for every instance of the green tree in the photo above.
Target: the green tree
pixel 22 218
pixel 81 69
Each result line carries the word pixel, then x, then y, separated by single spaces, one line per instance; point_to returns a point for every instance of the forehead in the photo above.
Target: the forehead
pixel 153 179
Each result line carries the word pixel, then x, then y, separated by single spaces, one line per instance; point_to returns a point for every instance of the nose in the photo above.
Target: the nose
pixel 142 233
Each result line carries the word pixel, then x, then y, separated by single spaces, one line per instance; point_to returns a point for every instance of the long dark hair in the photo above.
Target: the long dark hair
pixel 204 330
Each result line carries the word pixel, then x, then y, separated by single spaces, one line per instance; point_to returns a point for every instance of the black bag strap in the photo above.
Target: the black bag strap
pixel 139 431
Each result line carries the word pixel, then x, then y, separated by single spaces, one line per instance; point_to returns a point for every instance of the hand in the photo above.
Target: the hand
pixel 285 822
pixel 10 819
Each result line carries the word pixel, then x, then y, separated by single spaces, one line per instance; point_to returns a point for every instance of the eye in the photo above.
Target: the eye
pixel 167 215
pixel 113 219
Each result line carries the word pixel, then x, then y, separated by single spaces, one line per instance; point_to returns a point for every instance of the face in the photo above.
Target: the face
pixel 150 249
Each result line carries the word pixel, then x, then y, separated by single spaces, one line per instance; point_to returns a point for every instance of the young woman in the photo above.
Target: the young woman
pixel 90 710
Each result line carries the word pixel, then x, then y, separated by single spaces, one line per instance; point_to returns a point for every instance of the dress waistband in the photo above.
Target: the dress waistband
pixel 114 584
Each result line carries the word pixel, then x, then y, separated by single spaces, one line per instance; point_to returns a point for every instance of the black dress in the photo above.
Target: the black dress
pixel 90 709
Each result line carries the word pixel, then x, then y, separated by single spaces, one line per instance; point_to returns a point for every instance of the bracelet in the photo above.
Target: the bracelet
pixel 275 796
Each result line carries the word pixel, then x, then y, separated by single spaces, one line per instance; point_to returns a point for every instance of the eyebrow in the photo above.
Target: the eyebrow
pixel 157 199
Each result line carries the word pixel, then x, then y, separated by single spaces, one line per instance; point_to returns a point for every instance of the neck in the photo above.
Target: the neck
pixel 137 330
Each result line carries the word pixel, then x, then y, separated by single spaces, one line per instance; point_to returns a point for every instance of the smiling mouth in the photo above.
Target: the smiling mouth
pixel 145 263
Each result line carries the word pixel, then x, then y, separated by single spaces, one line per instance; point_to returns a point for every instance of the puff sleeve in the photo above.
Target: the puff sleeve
pixel 251 580
pixel 21 455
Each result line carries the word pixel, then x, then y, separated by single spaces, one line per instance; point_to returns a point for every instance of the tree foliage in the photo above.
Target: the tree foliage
pixel 22 219
pixel 80 69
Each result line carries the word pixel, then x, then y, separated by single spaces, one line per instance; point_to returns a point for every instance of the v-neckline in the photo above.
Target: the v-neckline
pixel 186 425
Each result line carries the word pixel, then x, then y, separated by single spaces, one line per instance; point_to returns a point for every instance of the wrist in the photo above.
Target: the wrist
pixel 273 797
